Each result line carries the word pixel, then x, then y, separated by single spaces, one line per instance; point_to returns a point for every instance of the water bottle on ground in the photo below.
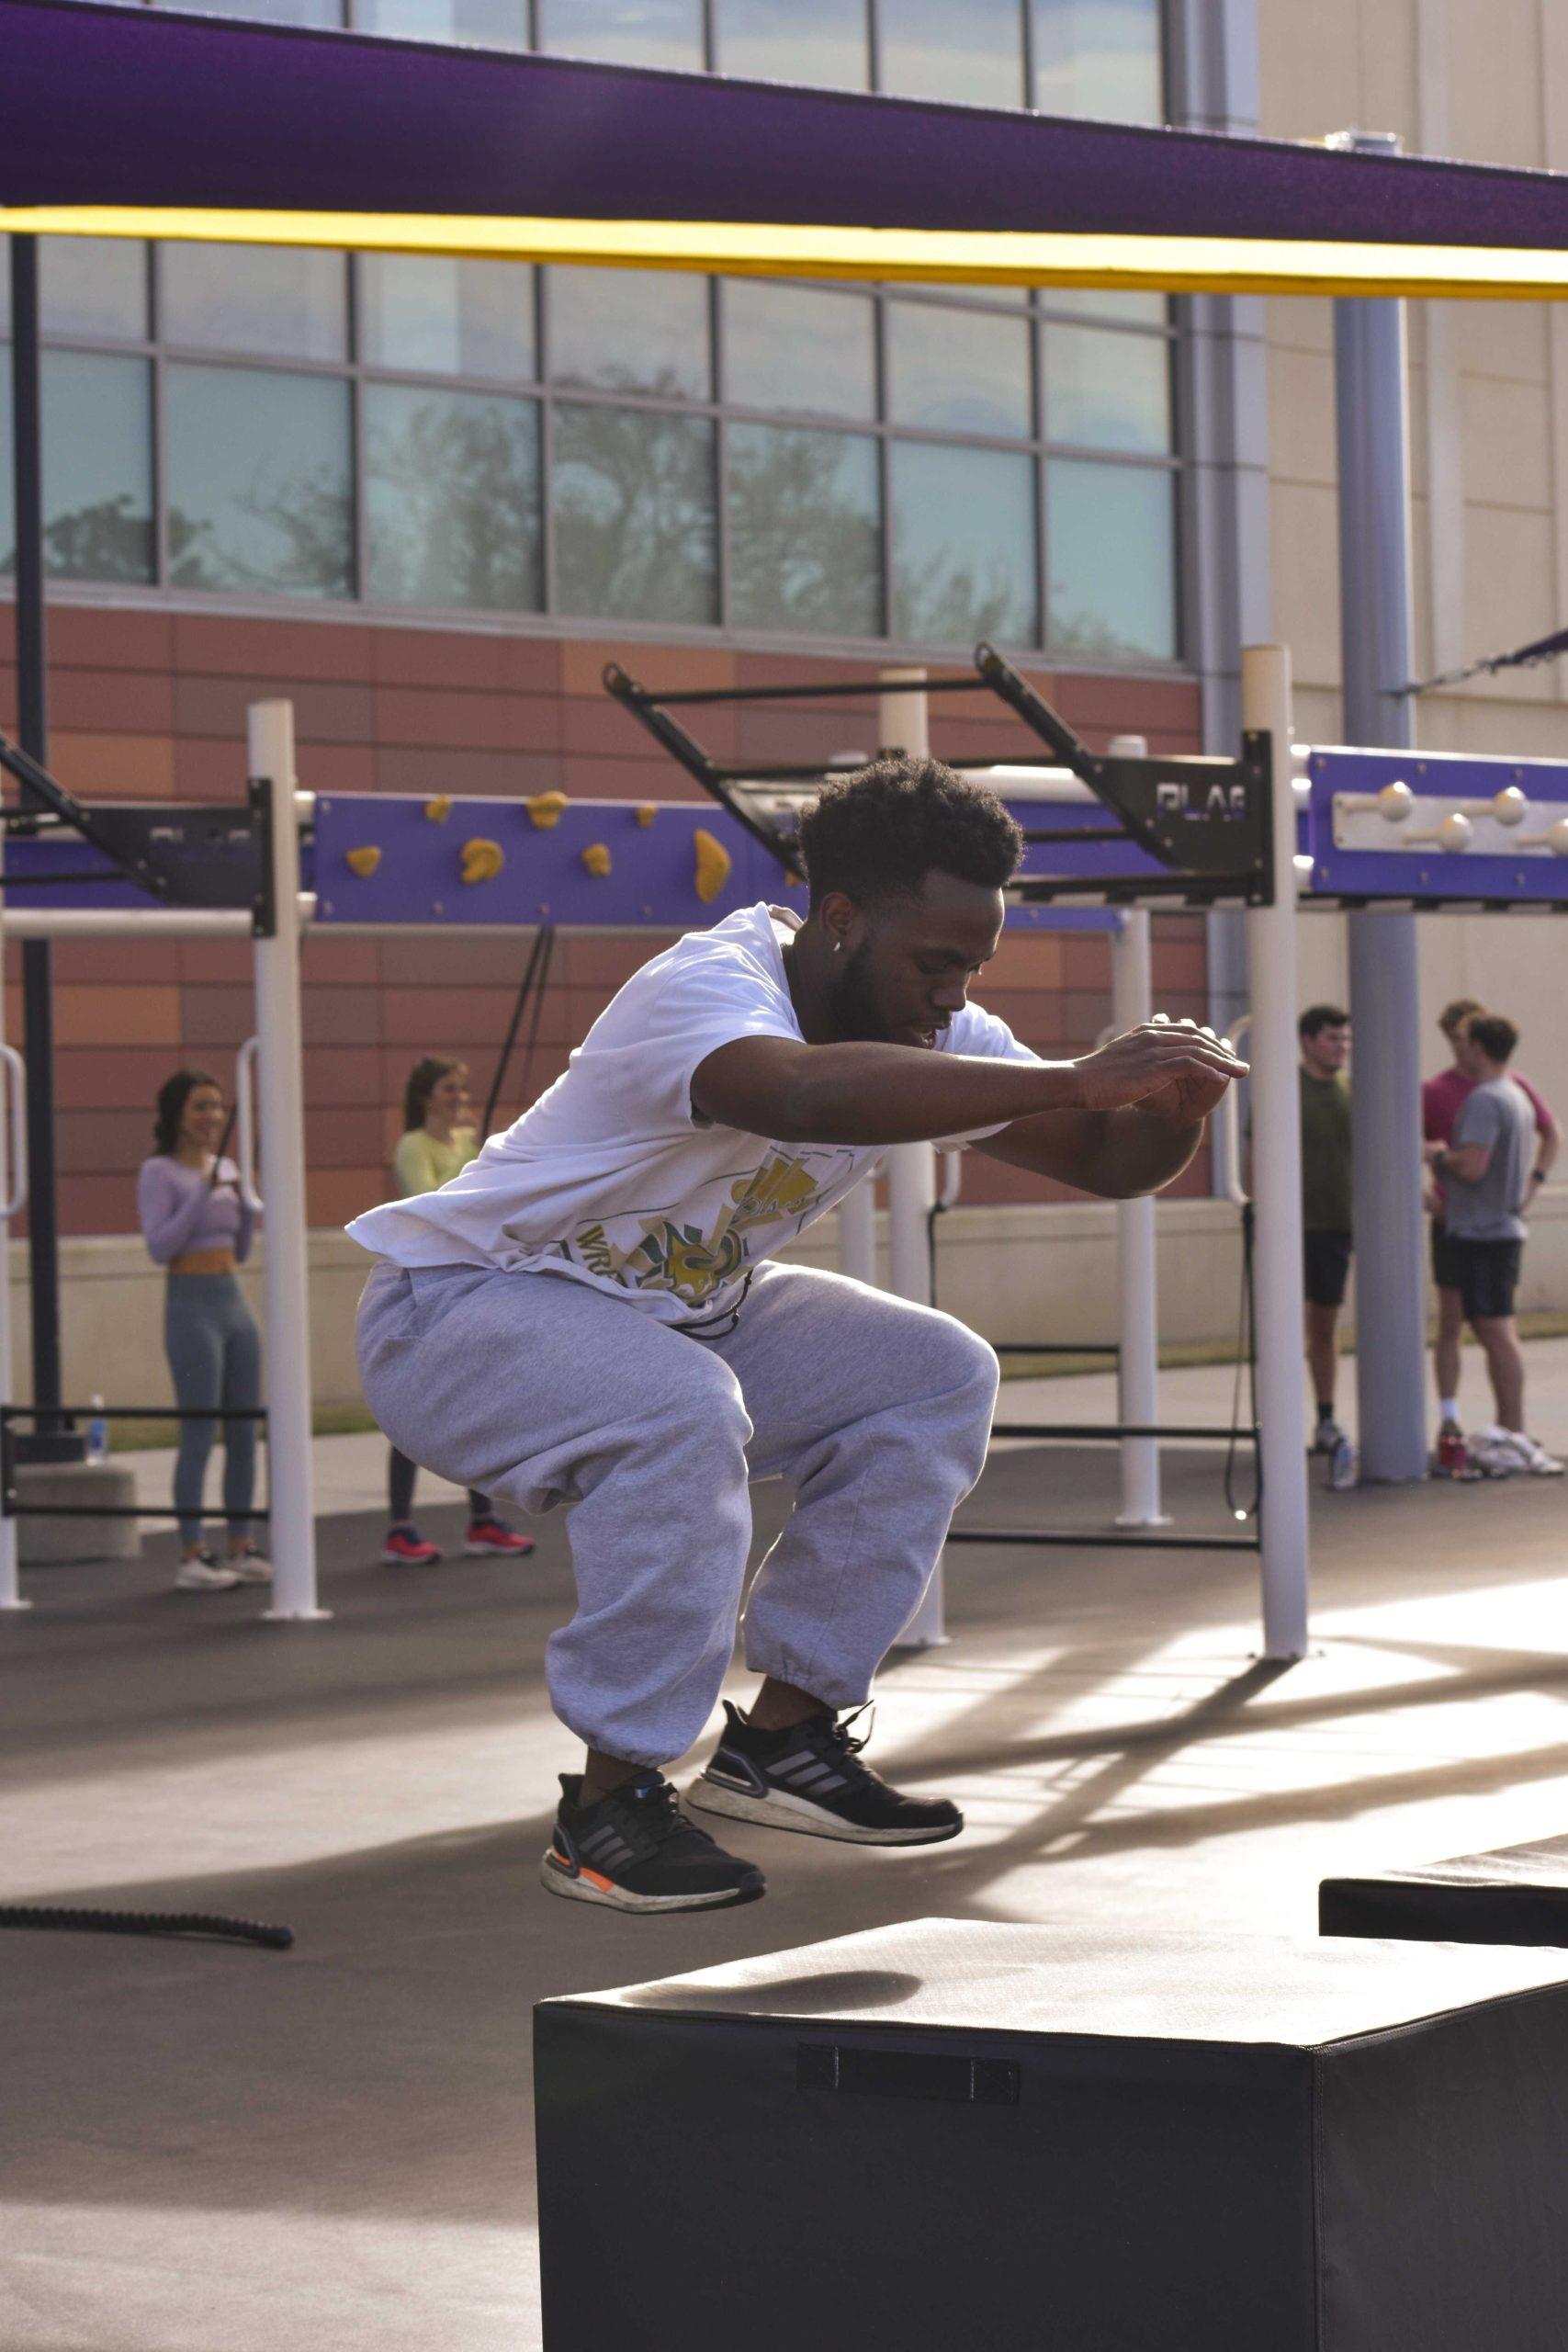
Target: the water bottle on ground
pixel 97 1432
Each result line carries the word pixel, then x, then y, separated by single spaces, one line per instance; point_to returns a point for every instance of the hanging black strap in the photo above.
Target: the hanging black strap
pixel 536 978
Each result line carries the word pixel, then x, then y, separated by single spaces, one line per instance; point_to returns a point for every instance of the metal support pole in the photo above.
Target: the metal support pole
pixel 13 1193
pixel 1369 380
pixel 46 1441
pixel 292 1526
pixel 1137 1385
pixel 1277 1183
pixel 857 1232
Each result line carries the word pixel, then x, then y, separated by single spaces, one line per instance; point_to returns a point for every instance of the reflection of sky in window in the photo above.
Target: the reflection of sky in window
pixel 276 302
pixel 969 52
pixel 97 467
pixel 1098 58
pixel 626 32
pixel 805 546
pixel 1110 545
pixel 258 481
pixel 821 42
pixel 438 316
pixel 629 330
pixel 492 24
pixel 968 374
pixel 790 347
pixel 635 527
pixel 963 544
pixel 452 498
pixel 1107 391
pixel 320 13
pixel 93 285
pixel 1128 307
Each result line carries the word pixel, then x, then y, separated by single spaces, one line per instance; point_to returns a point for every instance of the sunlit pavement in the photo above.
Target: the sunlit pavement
pixel 209 2149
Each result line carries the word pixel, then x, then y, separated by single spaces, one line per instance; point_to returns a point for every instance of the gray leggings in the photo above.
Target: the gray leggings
pixel 214 1351
pixel 547 1391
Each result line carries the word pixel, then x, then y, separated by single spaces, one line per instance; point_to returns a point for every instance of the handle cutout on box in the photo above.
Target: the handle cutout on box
pixel 906 2073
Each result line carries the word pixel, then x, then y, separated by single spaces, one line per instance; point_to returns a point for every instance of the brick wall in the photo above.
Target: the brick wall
pixel 149 705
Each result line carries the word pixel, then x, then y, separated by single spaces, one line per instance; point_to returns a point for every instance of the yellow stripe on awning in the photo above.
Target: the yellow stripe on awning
pixel 1179 265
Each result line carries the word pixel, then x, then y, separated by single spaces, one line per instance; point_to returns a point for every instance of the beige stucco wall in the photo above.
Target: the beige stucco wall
pixel 1486 81
pixel 1015 1274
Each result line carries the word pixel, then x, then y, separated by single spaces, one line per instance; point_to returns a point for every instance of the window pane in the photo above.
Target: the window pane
pixel 259 487
pixel 630 330
pixel 959 375
pixel 962 545
pixel 626 32
pixel 1110 541
pixel 1111 390
pixel 809 40
pixel 1100 58
pixel 93 285
pixel 790 347
pixel 279 303
pixel 971 55
pixel 633 514
pixel 492 24
pixel 452 498
pixel 97 467
pixel 440 317
pixel 804 538
pixel 324 13
pixel 1126 308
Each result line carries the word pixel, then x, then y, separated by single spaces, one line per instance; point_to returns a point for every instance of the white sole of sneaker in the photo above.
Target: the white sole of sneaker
pixel 778 1810
pixel 589 1887
pixel 492 1552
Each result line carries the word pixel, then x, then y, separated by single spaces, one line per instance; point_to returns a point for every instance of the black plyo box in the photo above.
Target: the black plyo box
pixel 1517 1894
pixel 950 2135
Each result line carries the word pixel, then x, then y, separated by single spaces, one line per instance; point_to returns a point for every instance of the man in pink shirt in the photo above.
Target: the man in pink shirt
pixel 1440 1100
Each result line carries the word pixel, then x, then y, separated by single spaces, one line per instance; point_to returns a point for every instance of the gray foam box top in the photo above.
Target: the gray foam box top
pixel 1517 1894
pixel 952 2133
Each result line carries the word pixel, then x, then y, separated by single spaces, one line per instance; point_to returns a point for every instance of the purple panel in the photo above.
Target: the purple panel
pixel 111 105
pixel 1438 876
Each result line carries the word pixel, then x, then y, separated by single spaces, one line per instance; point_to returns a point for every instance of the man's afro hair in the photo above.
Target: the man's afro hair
pixel 877 833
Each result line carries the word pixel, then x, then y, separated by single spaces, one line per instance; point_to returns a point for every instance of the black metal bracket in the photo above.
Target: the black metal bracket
pixel 92 825
pixel 1208 822
pixel 262 896
pixel 181 853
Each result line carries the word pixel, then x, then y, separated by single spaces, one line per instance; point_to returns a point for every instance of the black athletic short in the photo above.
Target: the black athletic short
pixel 1488 1275
pixel 1445 1266
pixel 1327 1264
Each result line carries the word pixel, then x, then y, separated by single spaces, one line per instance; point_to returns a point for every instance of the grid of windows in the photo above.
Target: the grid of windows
pixel 916 464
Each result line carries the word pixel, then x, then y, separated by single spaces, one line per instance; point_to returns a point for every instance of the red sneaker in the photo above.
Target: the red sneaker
pixel 487 1535
pixel 406 1544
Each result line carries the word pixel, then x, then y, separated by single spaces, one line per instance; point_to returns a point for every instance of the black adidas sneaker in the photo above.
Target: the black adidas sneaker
pixel 635 1850
pixel 811 1777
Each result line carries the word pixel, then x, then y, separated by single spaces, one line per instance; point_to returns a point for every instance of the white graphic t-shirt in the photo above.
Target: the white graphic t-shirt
pixel 614 1179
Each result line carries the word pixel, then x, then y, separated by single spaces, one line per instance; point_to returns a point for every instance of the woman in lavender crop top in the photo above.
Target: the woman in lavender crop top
pixel 197 1225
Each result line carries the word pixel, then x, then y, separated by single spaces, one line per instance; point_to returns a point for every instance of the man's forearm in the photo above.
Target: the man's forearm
pixel 1143 1153
pixel 882 1094
pixel 1115 1154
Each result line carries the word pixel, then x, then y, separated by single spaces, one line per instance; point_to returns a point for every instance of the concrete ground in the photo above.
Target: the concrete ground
pixel 216 2149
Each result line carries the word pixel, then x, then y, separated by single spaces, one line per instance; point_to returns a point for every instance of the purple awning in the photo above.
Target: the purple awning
pixel 119 105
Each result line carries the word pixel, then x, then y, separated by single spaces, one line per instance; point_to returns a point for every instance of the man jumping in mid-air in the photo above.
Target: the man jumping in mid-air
pixel 587 1315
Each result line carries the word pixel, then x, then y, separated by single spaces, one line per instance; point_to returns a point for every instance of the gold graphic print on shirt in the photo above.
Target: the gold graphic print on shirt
pixel 694 1259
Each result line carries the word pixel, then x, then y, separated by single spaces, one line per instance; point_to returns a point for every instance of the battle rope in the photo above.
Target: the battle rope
pixel 145 1923
pixel 536 978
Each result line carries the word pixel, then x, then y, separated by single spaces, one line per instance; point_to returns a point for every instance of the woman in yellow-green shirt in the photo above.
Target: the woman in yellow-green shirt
pixel 438 1139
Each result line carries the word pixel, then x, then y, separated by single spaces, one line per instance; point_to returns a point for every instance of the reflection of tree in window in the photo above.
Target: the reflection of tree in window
pixel 958 599
pixel 453 492
pixel 313 517
pixel 803 535
pixel 1078 630
pixel 107 540
pixel 634 509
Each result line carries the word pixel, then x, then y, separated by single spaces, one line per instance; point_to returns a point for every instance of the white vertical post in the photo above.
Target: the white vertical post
pixel 1137 1294
pixel 12 1186
pixel 292 1527
pixel 1277 1180
pixel 903 720
pixel 857 1231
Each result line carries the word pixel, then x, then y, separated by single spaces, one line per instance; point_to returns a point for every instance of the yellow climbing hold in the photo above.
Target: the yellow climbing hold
pixel 363 862
pixel 645 812
pixel 438 808
pixel 545 808
pixel 714 862
pixel 482 860
pixel 596 858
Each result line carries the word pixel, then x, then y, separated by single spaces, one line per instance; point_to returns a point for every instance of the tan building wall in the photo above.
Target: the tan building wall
pixel 1485 81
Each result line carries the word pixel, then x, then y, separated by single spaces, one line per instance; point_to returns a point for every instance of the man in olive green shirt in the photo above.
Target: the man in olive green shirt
pixel 1324 1032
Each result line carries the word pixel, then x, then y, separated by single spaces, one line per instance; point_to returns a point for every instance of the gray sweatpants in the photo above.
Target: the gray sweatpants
pixel 544 1390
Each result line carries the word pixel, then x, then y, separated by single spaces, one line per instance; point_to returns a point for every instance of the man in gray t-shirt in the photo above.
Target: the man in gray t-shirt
pixel 1487 1172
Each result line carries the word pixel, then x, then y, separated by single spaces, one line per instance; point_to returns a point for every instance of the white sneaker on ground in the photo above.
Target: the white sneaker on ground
pixel 201 1573
pixel 1533 1458
pixel 249 1567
